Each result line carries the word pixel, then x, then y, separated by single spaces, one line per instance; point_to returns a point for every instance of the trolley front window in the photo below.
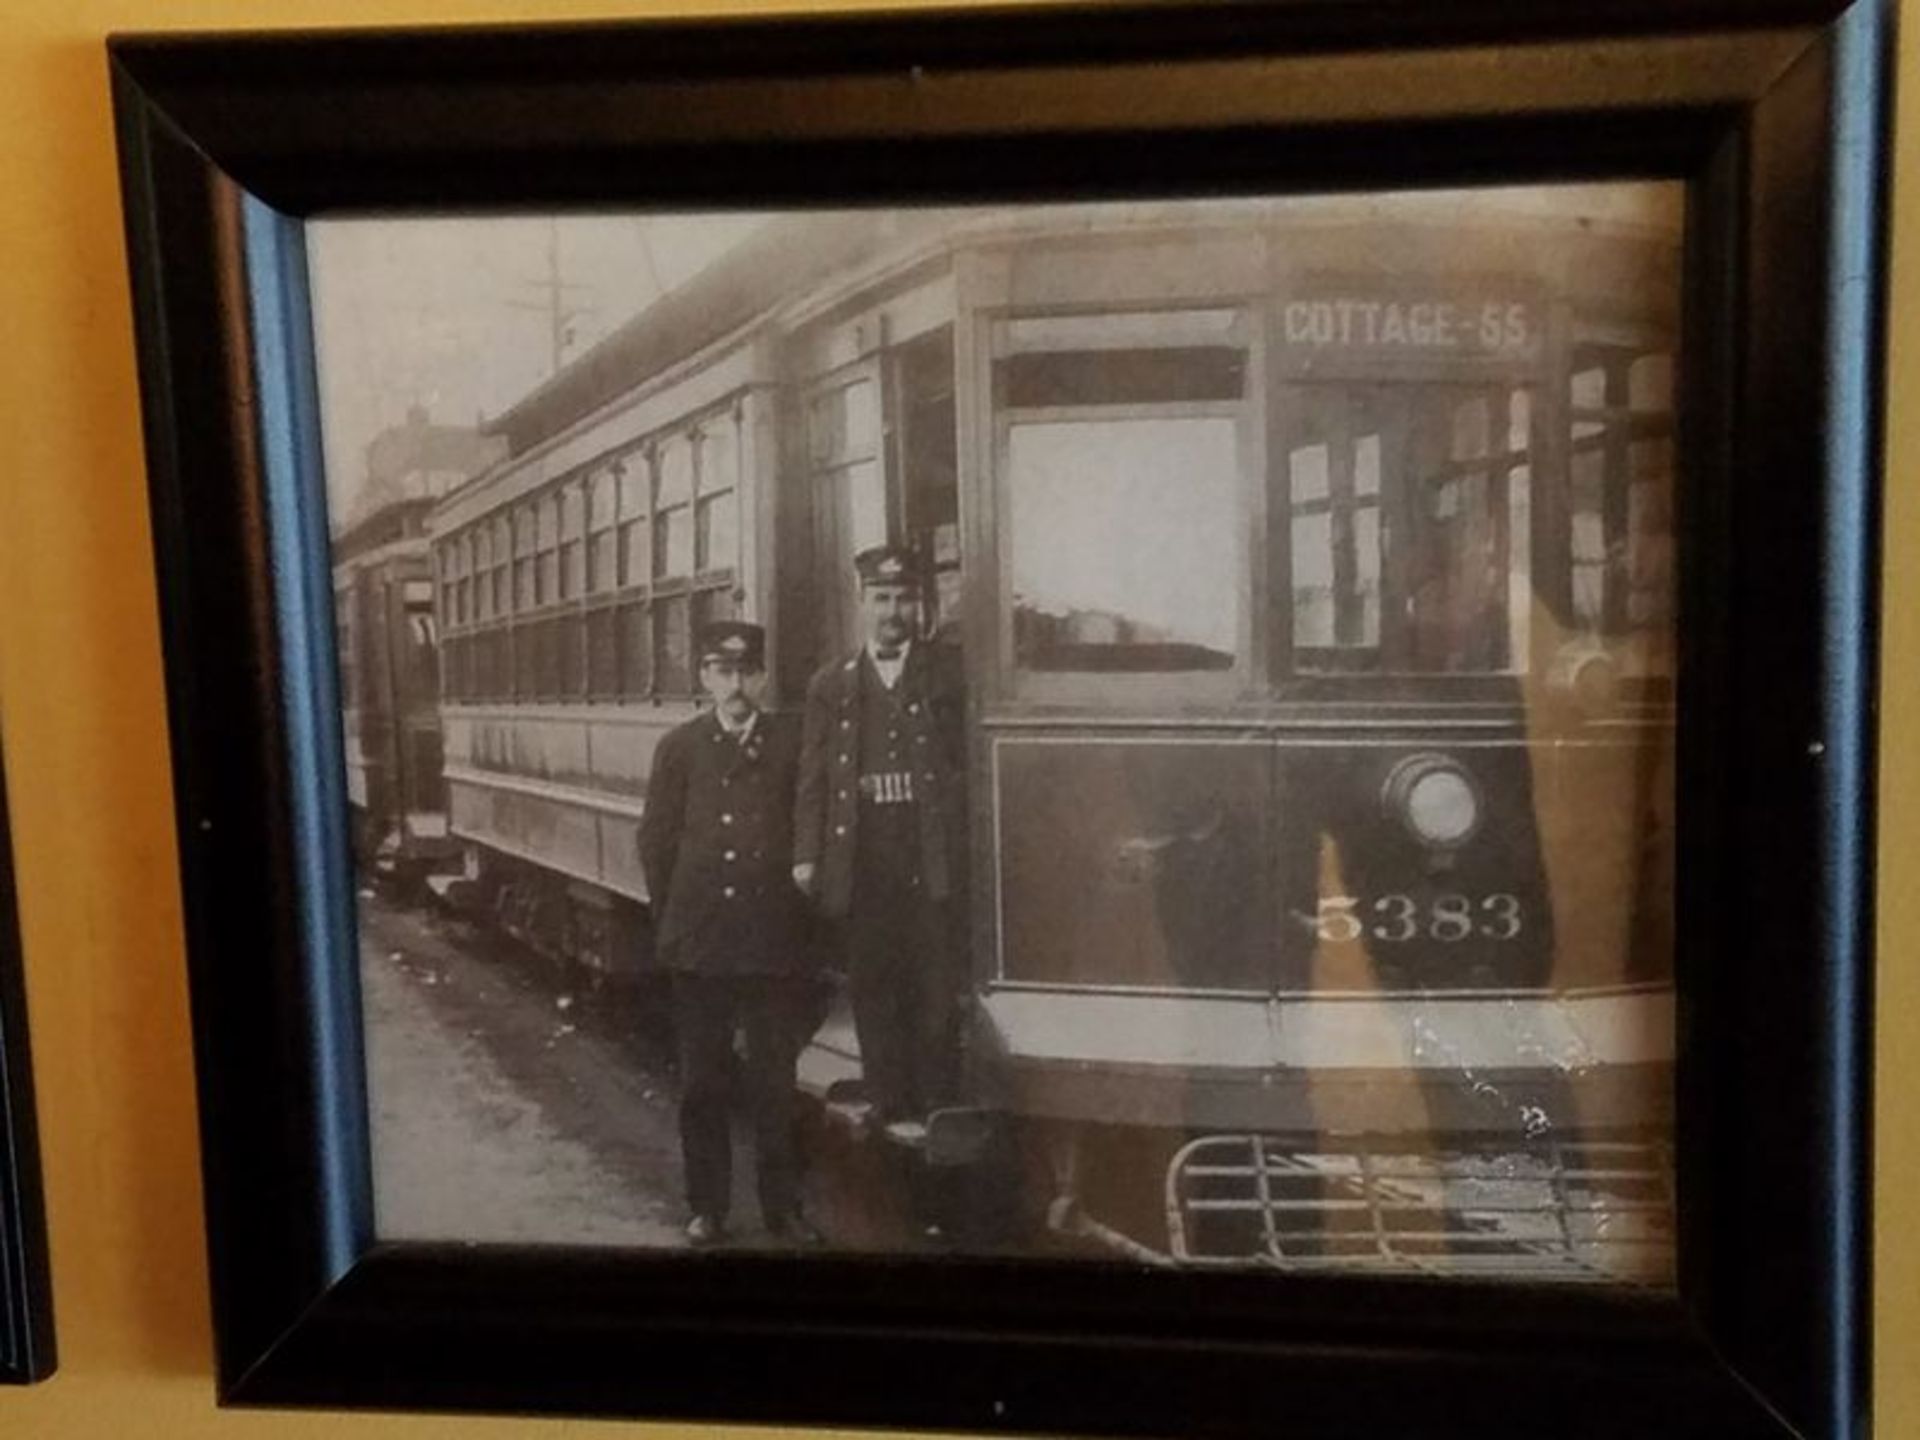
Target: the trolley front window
pixel 1123 538
pixel 1619 535
pixel 1123 451
pixel 1407 507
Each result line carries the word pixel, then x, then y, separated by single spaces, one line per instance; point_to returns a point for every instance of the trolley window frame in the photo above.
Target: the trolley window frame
pixel 1774 114
pixel 1166 686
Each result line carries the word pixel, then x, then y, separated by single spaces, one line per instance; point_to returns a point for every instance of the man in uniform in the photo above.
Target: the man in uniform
pixel 716 846
pixel 880 840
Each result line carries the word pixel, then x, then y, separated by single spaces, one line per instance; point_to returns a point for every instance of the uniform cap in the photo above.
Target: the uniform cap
pixel 887 565
pixel 734 642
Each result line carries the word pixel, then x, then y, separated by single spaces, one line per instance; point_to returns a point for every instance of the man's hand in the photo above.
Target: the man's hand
pixel 803 878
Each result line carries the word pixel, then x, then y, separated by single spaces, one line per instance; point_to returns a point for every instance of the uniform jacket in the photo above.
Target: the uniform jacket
pixel 716 846
pixel 827 811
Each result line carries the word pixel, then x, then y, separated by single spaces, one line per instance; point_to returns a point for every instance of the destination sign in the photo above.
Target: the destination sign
pixel 1356 322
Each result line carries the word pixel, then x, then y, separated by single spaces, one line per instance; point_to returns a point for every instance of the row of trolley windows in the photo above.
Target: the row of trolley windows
pixel 624 650
pixel 594 588
pixel 666 510
pixel 1420 522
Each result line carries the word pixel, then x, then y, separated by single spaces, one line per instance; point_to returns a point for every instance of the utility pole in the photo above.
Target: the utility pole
pixel 552 302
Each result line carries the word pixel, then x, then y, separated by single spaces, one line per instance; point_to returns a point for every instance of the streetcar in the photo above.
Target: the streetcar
pixel 1311 563
pixel 385 630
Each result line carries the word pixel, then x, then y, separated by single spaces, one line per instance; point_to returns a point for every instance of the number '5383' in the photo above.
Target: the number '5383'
pixel 1399 919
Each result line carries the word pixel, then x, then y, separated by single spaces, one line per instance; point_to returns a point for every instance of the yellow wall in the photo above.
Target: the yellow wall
pixel 86 756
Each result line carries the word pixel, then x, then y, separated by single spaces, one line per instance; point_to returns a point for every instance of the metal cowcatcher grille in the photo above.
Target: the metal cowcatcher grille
pixel 1598 1210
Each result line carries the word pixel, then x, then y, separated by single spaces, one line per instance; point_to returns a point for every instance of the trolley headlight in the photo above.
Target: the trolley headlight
pixel 1435 798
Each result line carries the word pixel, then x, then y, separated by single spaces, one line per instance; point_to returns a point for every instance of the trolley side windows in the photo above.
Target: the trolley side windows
pixel 443 570
pixel 696 553
pixel 672 647
pixel 573 546
pixel 464 599
pixel 482 572
pixel 634 474
pixel 633 643
pixel 603 569
pixel 591 589
pixel 1122 446
pixel 502 567
pixel 570 627
pixel 443 590
pixel 456 675
pixel 717 517
pixel 547 573
pixel 673 507
pixel 447 568
pixel 670 666
pixel 523 559
pixel 493 676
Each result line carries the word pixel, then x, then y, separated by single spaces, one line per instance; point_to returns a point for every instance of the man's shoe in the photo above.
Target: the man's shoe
pixel 705 1230
pixel 795 1229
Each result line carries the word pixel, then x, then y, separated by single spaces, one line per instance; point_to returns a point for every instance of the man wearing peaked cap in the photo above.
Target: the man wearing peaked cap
pixel 880 840
pixel 887 565
pixel 736 643
pixel 716 846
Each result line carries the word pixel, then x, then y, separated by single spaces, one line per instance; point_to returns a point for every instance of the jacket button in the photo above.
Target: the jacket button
pixel 730 856
pixel 845 758
pixel 728 892
pixel 726 819
pixel 839 829
pixel 846 724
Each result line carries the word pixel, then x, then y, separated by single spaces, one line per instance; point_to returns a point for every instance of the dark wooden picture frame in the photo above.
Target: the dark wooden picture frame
pixel 26 1297
pixel 1774 115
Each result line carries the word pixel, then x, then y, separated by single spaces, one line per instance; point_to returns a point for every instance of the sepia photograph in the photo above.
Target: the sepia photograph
pixel 1132 732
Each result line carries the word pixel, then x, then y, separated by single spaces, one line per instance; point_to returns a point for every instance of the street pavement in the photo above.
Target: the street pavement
pixel 496 1115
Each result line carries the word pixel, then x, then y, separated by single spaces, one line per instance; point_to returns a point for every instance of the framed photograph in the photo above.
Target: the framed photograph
pixel 1116 721
pixel 26 1296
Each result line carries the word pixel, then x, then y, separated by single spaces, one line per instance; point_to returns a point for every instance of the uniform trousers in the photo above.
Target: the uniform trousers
pixel 901 976
pixel 771 1011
